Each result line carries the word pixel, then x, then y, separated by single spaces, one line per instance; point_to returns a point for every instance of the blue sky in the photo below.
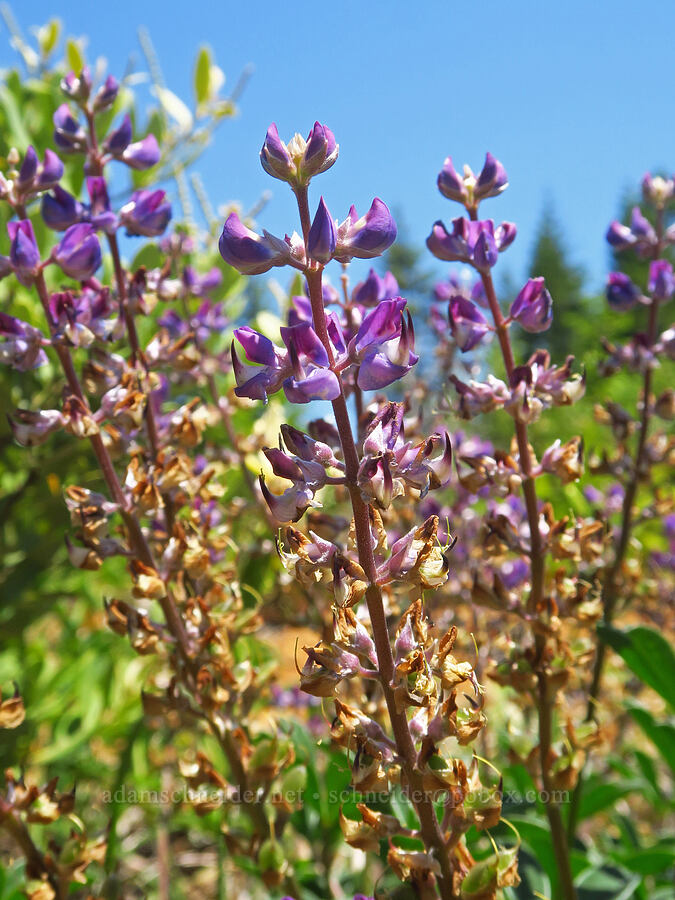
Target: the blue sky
pixel 575 98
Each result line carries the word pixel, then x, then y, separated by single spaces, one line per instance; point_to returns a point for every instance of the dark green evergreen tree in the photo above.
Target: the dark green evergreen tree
pixel 565 281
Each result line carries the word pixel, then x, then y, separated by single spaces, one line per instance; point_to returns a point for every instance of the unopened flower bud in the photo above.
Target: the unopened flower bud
pixel 467 323
pixel 533 307
pixel 60 209
pixel 274 156
pixel 322 238
pixel 69 136
pixel 106 95
pixel 79 252
pixel 661 281
pixel 450 184
pixel 77 88
pixel 248 252
pixel 492 179
pixel 657 191
pixel 622 293
pixel 147 213
pixel 24 254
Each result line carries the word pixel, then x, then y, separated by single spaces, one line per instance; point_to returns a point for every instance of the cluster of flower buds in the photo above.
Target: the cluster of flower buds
pixel 78 253
pixel 381 351
pixel 533 387
pixel 469 189
pixel 389 463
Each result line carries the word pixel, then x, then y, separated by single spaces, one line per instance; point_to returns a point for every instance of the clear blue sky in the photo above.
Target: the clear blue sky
pixel 575 97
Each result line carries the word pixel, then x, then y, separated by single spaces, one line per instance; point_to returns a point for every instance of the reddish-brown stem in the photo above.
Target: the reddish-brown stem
pixel 609 585
pixel 137 539
pixel 430 828
pixel 35 861
pixel 544 702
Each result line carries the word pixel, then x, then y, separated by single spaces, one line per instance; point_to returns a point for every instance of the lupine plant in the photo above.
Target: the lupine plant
pixel 567 571
pixel 336 347
pixel 457 586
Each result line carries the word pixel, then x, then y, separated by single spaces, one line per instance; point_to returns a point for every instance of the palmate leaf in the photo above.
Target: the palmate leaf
pixel 648 654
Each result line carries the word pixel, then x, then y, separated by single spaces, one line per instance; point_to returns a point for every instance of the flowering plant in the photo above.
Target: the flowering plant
pixel 235 483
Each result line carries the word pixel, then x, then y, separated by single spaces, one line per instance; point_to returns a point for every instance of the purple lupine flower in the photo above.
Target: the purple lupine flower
pixel 620 236
pixel 22 345
pixel 320 153
pixel 289 506
pixel 622 293
pixel 389 461
pixel 79 318
pixel 307 471
pixel 308 448
pixel 478 397
pixel 661 280
pixel 375 288
pixel 533 307
pixel 60 209
pixel 32 428
pixel 322 238
pixel 477 243
pixel 367 237
pixel 199 285
pixel 119 139
pixel 657 191
pixel 384 345
pixel 106 95
pixel 100 214
pixel 468 325
pixel 492 179
pixel 147 213
pixel 505 235
pixel 24 254
pixel 310 377
pixel 274 156
pixel 50 172
pixel 451 184
pixel 301 369
pixel 458 283
pixel 28 169
pixel 300 160
pixel 77 88
pixel 142 154
pixel 69 135
pixel 300 309
pixel 78 253
pixel 485 252
pixel 640 235
pixel 248 252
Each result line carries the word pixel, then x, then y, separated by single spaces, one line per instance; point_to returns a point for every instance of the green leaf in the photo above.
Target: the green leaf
pixel 648 654
pixel 175 108
pixel 598 794
pixel 649 861
pixel 537 837
pixel 202 81
pixel 661 734
pixel 48 36
pixel 19 136
pixel 74 56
